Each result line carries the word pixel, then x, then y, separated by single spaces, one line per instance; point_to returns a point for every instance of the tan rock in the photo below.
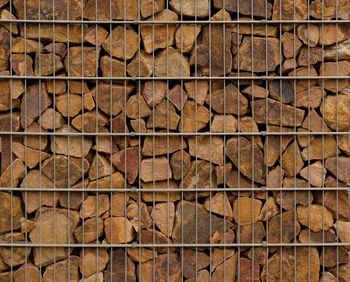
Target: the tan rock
pixel 197 90
pixel 116 180
pixel 224 123
pixel 310 97
pixel 332 33
pixel 180 66
pixel 259 29
pixel 332 256
pixel 87 122
pixel 7 118
pixel 328 9
pixel 343 232
pixel 59 271
pixel 185 37
pixel 303 84
pixel 314 150
pixel 320 217
pixel 315 174
pixel 22 45
pixel 247 124
pixel 139 216
pixel 10 91
pixel 153 92
pixel 92 260
pixel 163 215
pixel 198 148
pixel 22 64
pixel 246 149
pixel 90 226
pixel 310 56
pixel 96 35
pixel 194 261
pixel 245 233
pixel 112 68
pixel 56 86
pixel 289 40
pixel 219 204
pixel 143 62
pixel 57 48
pixel 50 119
pixel 340 68
pixel 344 144
pixel 11 176
pixel 33 141
pixel 292 162
pixel 157 166
pixel 309 34
pixel 27 272
pixel 313 122
pixel 6 15
pixel 200 114
pixel 69 104
pixel 257 8
pixel 191 8
pixel 226 271
pixel 10 216
pixel 95 277
pixel 340 51
pixel 335 112
pixel 127 160
pixel 339 167
pixel 94 206
pixel 245 214
pixel 46 64
pixel 255 91
pixel 4 57
pixel 136 107
pixel 150 7
pixel 178 97
pixel 100 167
pixel 268 210
pixel 290 230
pixel 75 65
pixel 309 236
pixel 163 116
pixel 141 254
pixel 122 230
pixel 160 196
pixel 162 145
pixel 111 10
pixel 180 163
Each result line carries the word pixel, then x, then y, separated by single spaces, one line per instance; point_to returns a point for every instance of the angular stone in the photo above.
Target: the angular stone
pixel 310 56
pixel 178 97
pixel 100 167
pixel 195 213
pixel 90 204
pixel 136 107
pixel 290 230
pixel 146 237
pixel 180 66
pixel 198 148
pixel 11 176
pixel 314 150
pixel 141 254
pixel 57 48
pixel 274 117
pixel 311 97
pixel 33 141
pixel 127 160
pixel 194 118
pixel 143 62
pixel 69 104
pixel 245 233
pixel 289 40
pixel 226 271
pixel 76 65
pixel 256 8
pixel 303 84
pixel 4 56
pixel 320 217
pixel 340 68
pixel 118 68
pixel 49 233
pixel 309 34
pixel 153 92
pixel 150 7
pixel 6 15
pixel 87 122
pixel 163 215
pixel 332 33
pixel 96 32
pixel 292 162
pixel 247 124
pixel 122 230
pixel 95 277
pixel 119 268
pixel 89 226
pixel 157 166
pixel 5 121
pixel 246 149
pixel 331 256
pixel 92 260
pixel 194 261
pixel 191 8
pixel 268 210
pixel 56 167
pixel 330 201
pixel 59 271
pixel 245 213
pixel 27 272
pixel 185 37
pixel 340 51
pixel 10 216
pixel 202 275
pixel 344 144
pixel 307 266
pixel 224 123
pixel 47 64
pixel 328 9
pixel 339 167
pixel 315 174
pixel 107 10
pixel 138 125
pixel 22 64
pixel 249 270
pixel 216 205
pixel 282 90
pixel 162 145
pixel 163 116
pixel 255 91
pixel 56 87
pixel 259 29
pixel 215 43
pixel 309 236
pixel 197 90
pixel 180 163
pixel 259 56
pixel 22 45
pixel 50 119
pixel 335 112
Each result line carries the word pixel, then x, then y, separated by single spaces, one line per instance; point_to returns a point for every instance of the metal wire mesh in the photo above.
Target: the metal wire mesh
pixel 152 140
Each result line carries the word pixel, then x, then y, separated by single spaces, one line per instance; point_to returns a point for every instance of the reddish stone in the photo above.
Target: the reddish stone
pixel 130 158
pixel 248 270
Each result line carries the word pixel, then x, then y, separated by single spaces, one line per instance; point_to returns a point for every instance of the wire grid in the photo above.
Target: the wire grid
pixel 135 191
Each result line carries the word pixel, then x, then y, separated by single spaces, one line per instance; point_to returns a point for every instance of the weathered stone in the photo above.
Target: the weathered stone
pixel 90 226
pixel 163 116
pixel 96 35
pixel 153 92
pixel 248 270
pixel 219 204
pixel 226 271
pixel 159 268
pixel 69 104
pixel 180 66
pixel 53 228
pixel 27 272
pixel 178 97
pixel 122 230
pixel 143 62
pixel 98 277
pixel 194 118
pixel 146 237
pixel 90 122
pixel 61 270
pixel 246 149
pixel 259 29
pixel 310 56
pixel 198 148
pixel 191 8
pixel 328 9
pixel 119 268
pixel 157 166
pixel 340 68
pixel 112 68
pixel 11 176
pixel 56 86
pixel 328 277
pixel 310 97
pixel 292 162
pixel 127 160
pixel 344 144
pixel 180 163
pixel 115 10
pixel 320 217
pixel 315 174
pixel 309 236
pixel 10 214
pixel 138 215
pixel 224 123
pixel 50 119
pixel 274 113
pixel 244 213
pixel 90 204
pixel 4 56
pixel 268 210
pixel 141 254
pixel 100 167
pixel 6 15
pixel 303 84
pixel 340 51
pixel 185 37
pixel 92 260
pixel 245 233
pixel 8 118
pixel 46 64
pixel 332 33
pixel 193 261
pixel 22 45
pixel 22 64
pixel 219 255
pixel 118 203
pixel 282 90
pixel 197 90
pixel 247 124
pixel 255 91
pixel 150 7
pixel 291 45
pixel 331 256
pixel 162 145
pixel 288 65
pixel 163 215
pixel 56 167
pixel 138 125
pixel 335 112
pixel 290 230
pixel 156 36
pixel 339 166
pixel 136 107
pixel 202 275
pixel 314 150
pixel 259 58
pixel 302 265
pixel 309 34
pixel 256 8
pixel 15 256
pixel 213 51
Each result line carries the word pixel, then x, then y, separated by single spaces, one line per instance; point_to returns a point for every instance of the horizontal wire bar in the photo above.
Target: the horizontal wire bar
pixel 199 245
pixel 144 190
pixel 133 134
pixel 262 21
pixel 174 77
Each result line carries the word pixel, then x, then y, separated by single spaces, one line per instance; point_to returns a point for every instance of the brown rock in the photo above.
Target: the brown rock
pixel 10 91
pixel 122 230
pixel 334 33
pixel 171 57
pixel 163 116
pixel 14 256
pixel 293 265
pixel 162 145
pixel 110 10
pixel 163 215
pixel 343 232
pixel 247 124
pixel 315 174
pixel 289 40
pixel 22 45
pixel 256 8
pixel 143 62
pixel 48 233
pixel 138 125
pixel 340 51
pixel 57 48
pixel 33 141
pixel 180 163
pixel 22 64
pixel 224 123
pixel 226 101
pixel 195 212
pixel 215 43
pixel 202 275
pixel 248 270
pixel 310 56
pixel 310 97
pixel 185 36
pixel 320 217
pixel 219 204
pixel 303 84
pixel 331 256
pixel 194 261
pixel 118 68
pixel 339 167
pixel 335 112
pixel 115 43
pixel 282 90
pixel 245 213
pixel 274 117
pixel 118 203
pixel 328 277
pixel 157 166
pixel 100 167
pixel 314 150
pixel 69 104
pixel 141 254
pixel 90 204
pixel 75 65
pixel 255 91
pixel 290 230
pixel 146 237
pixel 56 87
pixel 119 268
pixel 328 9
pixel 92 260
pixel 234 179
pixel 219 255
pixel 309 236
pixel 4 56
pixel 246 149
pixel 226 271
pixel 149 7
pixel 200 114
pixel 250 233
pixel 259 59
pixel 133 105
pixel 56 167
pixel 340 68
pixel 6 15
pixel 309 34
pixel 198 148
pixel 27 272
pixel 96 35
pixel 50 119
pixel 344 144
pixel 197 90
pixel 127 160
pixel 191 8
pixel 90 226
pixel 5 121
pixel 87 122
pixel 95 277
pixel 268 210
pixel 178 97
pixel 11 176
pixel 59 271
pixel 153 92
pixel 259 29
pixel 139 216
pixel 292 162
pixel 46 64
